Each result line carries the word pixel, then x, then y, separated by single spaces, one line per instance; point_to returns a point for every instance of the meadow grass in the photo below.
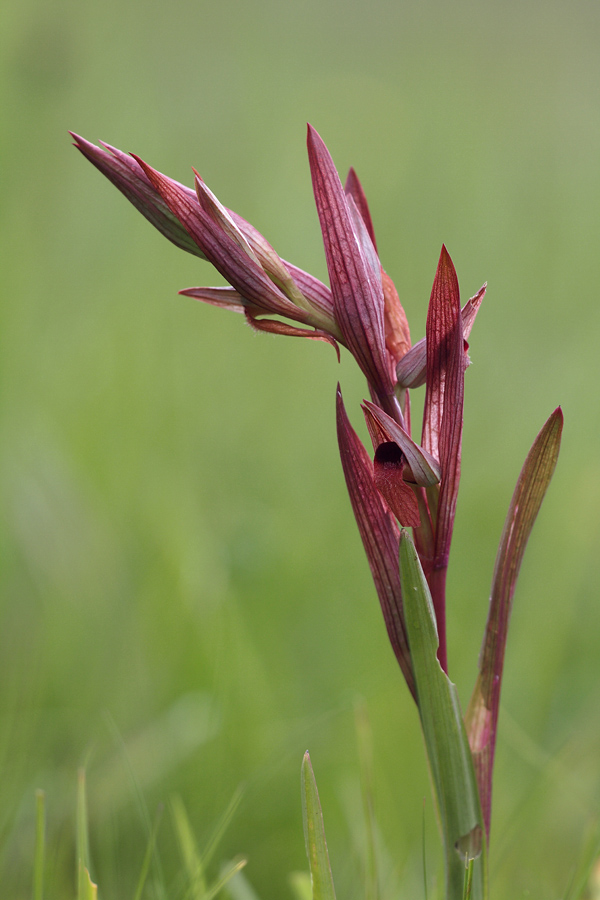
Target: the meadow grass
pixel 185 606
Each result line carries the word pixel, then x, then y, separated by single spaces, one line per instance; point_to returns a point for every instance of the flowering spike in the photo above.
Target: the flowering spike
pixel 199 223
pixel 379 532
pixel 356 289
pixel 482 715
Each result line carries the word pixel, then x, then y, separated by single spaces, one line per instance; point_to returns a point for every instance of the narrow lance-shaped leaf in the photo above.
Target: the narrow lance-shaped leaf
pixel 314 836
pixel 443 421
pixel 446 742
pixel 379 534
pixel 357 291
pixel 482 714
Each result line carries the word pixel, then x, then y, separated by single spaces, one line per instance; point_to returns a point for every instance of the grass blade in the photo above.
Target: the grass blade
pixel 222 826
pixel 585 880
pixel 189 850
pixel 84 882
pixel 482 714
pixel 90 890
pixel 40 842
pixel 239 888
pixel 448 752
pixel 365 761
pixel 148 854
pixel 228 873
pixel 468 879
pixel 314 836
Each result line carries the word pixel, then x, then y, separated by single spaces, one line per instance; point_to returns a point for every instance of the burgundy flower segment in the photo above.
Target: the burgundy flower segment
pixel 404 484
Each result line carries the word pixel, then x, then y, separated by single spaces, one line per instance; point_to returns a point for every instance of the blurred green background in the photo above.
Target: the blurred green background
pixel 185 602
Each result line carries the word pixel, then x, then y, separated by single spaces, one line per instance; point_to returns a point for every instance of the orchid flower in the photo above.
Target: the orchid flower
pixel 404 484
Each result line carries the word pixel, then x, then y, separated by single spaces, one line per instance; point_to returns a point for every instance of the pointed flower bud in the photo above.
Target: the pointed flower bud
pixel 129 177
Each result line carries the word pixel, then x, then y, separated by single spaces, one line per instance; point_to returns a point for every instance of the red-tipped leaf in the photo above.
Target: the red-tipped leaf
pixel 482 714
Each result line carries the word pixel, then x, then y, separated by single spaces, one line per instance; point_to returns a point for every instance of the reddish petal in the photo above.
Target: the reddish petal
pixel 397 334
pixel 482 715
pixel 353 188
pixel 258 249
pixel 313 289
pixel 357 292
pixel 274 326
pixel 225 297
pixel 379 533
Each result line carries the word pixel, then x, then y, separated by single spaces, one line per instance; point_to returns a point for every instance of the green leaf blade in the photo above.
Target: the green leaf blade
pixel 448 751
pixel 314 835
